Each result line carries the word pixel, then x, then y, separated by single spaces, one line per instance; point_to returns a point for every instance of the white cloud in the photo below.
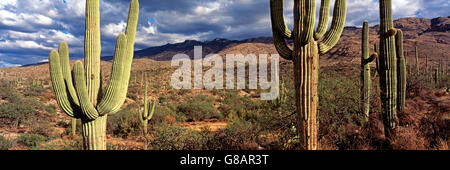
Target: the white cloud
pixel 114 29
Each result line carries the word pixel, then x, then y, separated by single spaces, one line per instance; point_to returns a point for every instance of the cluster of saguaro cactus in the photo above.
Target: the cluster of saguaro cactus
pixel 308 44
pixel 149 109
pixel 365 71
pixel 401 72
pixel 82 97
pixel 388 68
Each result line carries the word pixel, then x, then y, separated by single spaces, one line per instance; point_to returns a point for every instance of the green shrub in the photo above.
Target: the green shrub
pixel 235 107
pixel 199 108
pixel 32 141
pixel 173 137
pixel 125 123
pixel 34 90
pixel 5 144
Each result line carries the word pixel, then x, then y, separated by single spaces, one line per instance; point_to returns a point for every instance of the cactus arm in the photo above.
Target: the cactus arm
pixel 59 85
pixel 92 49
pixel 113 96
pixel 278 21
pixel 337 26
pixel 280 30
pixel 67 73
pixel 323 19
pixel 401 74
pixel 152 111
pixel 307 9
pixel 133 17
pixel 87 108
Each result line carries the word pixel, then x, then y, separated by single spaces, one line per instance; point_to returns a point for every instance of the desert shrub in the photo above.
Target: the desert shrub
pixel 5 144
pixel 199 108
pixel 174 137
pixel 125 123
pixel 34 90
pixel 32 141
pixel 235 107
pixel 43 129
pixel 20 112
pixel 239 135
pixel 50 109
pixel 338 107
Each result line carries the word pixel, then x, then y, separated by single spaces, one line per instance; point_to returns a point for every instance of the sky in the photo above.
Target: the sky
pixel 30 29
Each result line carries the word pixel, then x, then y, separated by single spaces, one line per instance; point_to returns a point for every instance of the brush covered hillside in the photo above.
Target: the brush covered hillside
pixel 236 119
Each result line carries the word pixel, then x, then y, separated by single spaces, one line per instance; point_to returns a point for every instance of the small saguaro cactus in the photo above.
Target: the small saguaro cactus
pixel 417 61
pixel 365 71
pixel 388 69
pixel 149 109
pixel 308 44
pixel 81 97
pixel 401 72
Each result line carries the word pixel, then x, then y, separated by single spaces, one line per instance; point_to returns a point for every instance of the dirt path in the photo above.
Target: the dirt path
pixel 213 125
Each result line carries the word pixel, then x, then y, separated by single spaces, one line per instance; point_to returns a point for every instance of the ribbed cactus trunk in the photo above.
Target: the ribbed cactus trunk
pixel 82 98
pixel 366 89
pixel 308 44
pixel 388 69
pixel 401 74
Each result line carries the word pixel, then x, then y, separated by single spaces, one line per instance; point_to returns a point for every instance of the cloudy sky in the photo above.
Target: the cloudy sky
pixel 29 29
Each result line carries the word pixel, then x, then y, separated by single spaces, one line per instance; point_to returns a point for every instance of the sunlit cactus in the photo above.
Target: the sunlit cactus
pixel 401 74
pixel 74 126
pixel 308 44
pixel 366 89
pixel 149 110
pixel 388 69
pixel 81 97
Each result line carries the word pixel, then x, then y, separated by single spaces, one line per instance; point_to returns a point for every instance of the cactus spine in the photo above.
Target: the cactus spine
pixel 147 114
pixel 365 71
pixel 305 56
pixel 401 74
pixel 80 98
pixel 388 69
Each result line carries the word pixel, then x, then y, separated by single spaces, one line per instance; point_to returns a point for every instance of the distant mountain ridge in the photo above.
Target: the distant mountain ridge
pixel 432 36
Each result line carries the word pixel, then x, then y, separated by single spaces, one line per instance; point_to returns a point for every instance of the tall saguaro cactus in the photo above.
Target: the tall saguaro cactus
pixel 365 71
pixel 401 74
pixel 81 97
pixel 305 55
pixel 388 68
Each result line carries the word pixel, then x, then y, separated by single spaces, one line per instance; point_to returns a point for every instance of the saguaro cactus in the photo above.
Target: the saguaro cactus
pixel 147 114
pixel 307 47
pixel 401 74
pixel 417 61
pixel 365 71
pixel 388 68
pixel 81 98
